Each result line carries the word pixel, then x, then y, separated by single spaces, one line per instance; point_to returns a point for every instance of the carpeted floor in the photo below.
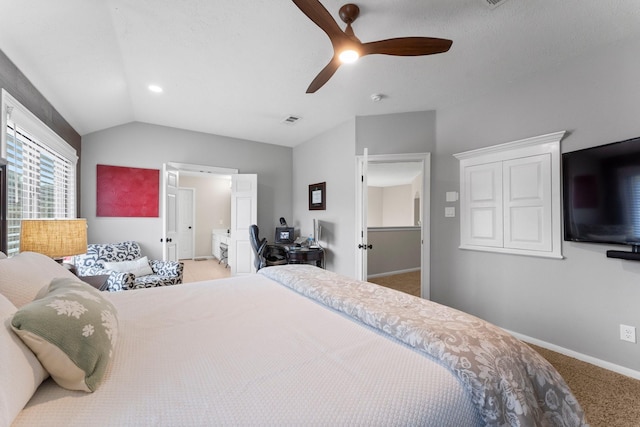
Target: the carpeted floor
pixel 608 398
pixel 405 282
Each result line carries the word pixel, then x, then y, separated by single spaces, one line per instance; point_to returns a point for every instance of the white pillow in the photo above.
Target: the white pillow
pixel 139 267
pixel 20 371
pixel 23 275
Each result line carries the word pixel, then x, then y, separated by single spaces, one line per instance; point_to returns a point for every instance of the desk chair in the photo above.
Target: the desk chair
pixel 265 254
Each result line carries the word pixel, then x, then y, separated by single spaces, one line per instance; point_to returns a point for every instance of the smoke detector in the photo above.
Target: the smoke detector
pixel 377 97
pixel 290 120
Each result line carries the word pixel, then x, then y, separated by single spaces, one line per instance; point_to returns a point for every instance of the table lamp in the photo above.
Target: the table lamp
pixel 56 238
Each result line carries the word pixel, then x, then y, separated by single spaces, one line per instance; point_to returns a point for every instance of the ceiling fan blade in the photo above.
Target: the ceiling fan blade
pixel 407 46
pixel 324 75
pixel 320 16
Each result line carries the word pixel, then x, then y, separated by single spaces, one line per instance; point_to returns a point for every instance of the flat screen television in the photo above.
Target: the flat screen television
pixel 601 193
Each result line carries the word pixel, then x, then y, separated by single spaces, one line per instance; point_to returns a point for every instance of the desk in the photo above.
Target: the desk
pixel 302 255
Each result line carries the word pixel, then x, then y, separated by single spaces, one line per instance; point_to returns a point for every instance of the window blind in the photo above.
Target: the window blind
pixel 41 171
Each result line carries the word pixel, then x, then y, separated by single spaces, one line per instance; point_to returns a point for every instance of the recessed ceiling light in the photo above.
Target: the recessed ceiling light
pixel 155 88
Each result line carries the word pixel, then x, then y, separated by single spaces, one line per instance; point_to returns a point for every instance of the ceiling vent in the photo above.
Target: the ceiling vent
pixel 492 4
pixel 290 120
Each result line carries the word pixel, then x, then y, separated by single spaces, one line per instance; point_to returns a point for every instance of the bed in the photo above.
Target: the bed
pixel 291 345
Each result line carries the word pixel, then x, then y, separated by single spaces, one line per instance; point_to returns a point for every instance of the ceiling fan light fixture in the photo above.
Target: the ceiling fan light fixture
pixel 349 56
pixel 348 48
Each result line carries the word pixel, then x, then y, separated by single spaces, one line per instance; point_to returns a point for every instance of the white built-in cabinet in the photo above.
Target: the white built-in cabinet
pixel 217 237
pixel 510 197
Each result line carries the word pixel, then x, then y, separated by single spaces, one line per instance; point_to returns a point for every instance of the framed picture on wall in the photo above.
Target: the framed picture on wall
pixel 127 192
pixel 318 196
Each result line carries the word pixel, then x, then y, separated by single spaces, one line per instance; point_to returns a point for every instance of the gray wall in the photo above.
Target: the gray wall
pixel 331 157
pixel 395 250
pixel 576 303
pixel 14 82
pixel 149 146
pixel 328 158
pixel 412 132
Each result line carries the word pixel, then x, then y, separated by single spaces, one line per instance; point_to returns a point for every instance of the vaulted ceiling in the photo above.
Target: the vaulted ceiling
pixel 239 67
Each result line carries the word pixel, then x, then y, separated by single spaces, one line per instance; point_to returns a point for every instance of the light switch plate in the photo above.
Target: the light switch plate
pixel 452 196
pixel 449 211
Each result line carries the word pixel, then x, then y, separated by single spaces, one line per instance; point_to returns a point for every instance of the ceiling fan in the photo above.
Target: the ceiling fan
pixel 348 48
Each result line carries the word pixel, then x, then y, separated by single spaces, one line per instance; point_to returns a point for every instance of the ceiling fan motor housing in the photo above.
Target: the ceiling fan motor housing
pixel 349 13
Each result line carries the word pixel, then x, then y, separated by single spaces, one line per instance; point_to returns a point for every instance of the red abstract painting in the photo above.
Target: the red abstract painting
pixel 127 192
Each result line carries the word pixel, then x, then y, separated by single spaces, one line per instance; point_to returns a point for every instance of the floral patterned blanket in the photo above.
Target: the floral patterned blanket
pixel 511 384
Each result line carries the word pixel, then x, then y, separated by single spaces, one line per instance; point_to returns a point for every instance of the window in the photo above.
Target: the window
pixel 40 171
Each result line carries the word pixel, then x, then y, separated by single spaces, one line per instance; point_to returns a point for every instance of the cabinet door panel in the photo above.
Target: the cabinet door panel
pixel 527 203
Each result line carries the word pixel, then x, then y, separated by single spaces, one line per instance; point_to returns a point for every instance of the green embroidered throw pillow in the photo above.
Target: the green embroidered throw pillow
pixel 72 330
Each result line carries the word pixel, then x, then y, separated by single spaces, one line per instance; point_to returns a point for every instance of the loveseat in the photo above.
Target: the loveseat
pixel 126 267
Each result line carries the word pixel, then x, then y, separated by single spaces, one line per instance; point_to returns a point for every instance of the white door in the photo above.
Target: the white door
pixel 361 211
pixel 186 223
pixel 244 212
pixel 170 183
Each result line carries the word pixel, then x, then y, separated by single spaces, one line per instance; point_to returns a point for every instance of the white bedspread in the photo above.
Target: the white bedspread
pixel 248 351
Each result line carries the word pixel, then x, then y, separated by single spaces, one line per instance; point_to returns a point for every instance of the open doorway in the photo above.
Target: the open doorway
pixel 196 203
pixel 205 200
pixel 394 203
pixel 244 196
pixel 394 224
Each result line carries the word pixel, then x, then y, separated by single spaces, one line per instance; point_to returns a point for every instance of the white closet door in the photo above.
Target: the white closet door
pixel 170 189
pixel 244 212
pixel 527 203
pixel 482 200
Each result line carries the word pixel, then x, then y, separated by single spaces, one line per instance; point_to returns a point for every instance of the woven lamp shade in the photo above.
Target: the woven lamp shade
pixel 56 238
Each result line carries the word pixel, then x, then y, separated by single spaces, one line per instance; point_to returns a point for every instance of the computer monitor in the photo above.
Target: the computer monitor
pixel 284 234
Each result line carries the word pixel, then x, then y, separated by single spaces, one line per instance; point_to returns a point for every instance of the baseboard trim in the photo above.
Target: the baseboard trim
pixel 391 273
pixel 585 358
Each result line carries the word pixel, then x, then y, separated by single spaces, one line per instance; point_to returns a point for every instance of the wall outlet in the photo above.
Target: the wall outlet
pixel 628 333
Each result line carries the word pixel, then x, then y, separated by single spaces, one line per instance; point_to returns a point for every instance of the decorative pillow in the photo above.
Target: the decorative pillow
pixel 20 371
pixel 23 275
pixel 72 330
pixel 138 267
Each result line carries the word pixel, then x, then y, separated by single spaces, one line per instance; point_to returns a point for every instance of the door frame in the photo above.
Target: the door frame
pixel 204 170
pixel 425 217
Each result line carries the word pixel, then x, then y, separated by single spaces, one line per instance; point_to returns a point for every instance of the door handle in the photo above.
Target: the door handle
pixel 365 247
